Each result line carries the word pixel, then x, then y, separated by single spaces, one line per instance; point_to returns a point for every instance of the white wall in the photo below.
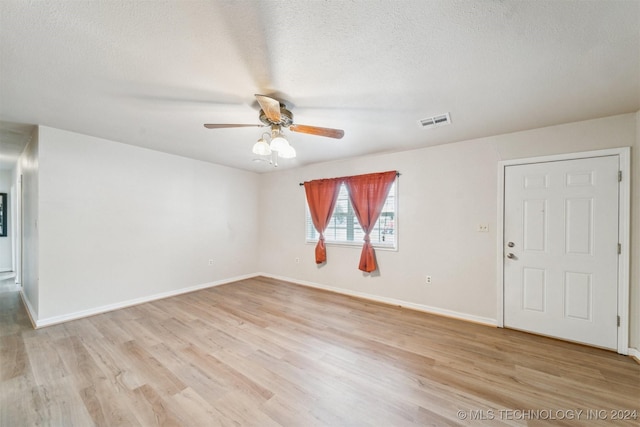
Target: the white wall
pixel 120 223
pixel 28 167
pixel 444 193
pixel 6 259
pixel 16 213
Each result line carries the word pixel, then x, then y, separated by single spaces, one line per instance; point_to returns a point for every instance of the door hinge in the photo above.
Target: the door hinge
pixel 619 248
pixel 619 176
pixel 618 320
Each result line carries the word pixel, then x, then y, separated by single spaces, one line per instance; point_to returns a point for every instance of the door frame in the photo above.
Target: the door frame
pixel 624 217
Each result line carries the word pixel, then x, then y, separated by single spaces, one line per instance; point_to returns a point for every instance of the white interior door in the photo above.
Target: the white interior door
pixel 561 249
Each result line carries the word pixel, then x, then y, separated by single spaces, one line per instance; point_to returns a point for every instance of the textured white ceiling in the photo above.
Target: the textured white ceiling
pixel 151 73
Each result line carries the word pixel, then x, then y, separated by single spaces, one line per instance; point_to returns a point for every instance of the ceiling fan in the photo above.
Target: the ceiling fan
pixel 274 114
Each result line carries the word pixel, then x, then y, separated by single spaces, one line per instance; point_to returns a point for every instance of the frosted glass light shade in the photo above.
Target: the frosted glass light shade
pixel 279 143
pixel 261 148
pixel 287 152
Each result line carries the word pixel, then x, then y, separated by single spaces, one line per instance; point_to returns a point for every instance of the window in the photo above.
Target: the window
pixel 345 229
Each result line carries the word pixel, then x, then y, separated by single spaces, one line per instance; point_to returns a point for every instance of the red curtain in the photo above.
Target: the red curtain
pixel 322 195
pixel 367 194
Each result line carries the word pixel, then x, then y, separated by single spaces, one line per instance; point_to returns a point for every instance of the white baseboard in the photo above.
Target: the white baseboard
pixel 390 301
pixel 40 323
pixel 30 311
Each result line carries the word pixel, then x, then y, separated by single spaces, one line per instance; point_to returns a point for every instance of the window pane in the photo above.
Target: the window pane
pixel 345 228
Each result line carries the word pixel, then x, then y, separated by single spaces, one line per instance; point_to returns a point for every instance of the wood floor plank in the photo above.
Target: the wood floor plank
pixel 154 372
pixel 265 352
pixel 20 399
pixel 115 364
pixel 202 378
pixel 13 356
pixel 153 410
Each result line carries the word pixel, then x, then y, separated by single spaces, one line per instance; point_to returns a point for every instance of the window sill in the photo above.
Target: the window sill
pixel 355 245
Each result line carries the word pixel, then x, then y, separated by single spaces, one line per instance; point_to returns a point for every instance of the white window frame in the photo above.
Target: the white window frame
pixel 357 243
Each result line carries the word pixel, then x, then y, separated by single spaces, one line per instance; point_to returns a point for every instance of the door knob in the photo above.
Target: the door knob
pixel 511 256
pixel 511 244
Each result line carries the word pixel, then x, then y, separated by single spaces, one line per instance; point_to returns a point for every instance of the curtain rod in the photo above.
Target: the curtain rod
pixel 302 183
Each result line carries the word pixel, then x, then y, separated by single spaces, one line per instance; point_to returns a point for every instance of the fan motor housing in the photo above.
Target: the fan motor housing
pixel 286 118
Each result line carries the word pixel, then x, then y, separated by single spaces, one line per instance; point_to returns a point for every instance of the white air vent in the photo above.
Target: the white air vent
pixel 435 121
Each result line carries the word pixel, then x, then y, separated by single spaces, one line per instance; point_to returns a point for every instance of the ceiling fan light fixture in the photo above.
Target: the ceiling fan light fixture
pixel 261 147
pixel 271 145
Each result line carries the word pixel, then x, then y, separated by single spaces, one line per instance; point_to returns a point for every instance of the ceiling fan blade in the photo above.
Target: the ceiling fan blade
pixel 270 106
pixel 228 125
pixel 314 130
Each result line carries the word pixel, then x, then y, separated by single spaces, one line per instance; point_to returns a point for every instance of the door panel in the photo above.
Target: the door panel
pixel 579 226
pixel 561 273
pixel 578 295
pixel 533 292
pixel 535 225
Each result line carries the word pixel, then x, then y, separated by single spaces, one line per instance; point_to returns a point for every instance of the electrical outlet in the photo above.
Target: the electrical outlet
pixel 297 260
pixel 210 262
pixel 428 280
pixel 483 228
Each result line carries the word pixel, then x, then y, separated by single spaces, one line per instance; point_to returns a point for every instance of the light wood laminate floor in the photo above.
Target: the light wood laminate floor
pixel 262 353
